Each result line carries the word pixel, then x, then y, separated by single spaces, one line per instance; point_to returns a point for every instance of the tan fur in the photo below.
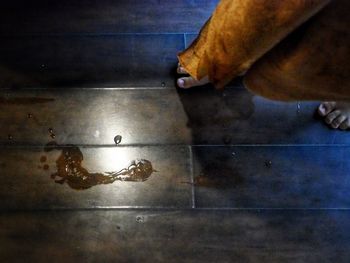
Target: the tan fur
pixel 312 63
pixel 240 32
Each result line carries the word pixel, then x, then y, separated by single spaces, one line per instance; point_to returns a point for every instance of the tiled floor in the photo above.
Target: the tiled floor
pixel 198 176
pixel 235 182
pixel 176 236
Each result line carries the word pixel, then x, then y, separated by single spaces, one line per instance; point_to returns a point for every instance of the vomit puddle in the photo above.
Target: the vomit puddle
pixel 70 169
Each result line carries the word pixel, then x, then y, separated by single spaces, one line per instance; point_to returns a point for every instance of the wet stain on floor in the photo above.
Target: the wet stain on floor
pixel 215 176
pixel 70 169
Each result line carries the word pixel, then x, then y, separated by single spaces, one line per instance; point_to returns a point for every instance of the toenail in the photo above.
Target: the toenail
pixel 181 83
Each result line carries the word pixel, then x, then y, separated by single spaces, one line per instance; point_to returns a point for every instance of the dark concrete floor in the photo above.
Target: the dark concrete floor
pixel 198 175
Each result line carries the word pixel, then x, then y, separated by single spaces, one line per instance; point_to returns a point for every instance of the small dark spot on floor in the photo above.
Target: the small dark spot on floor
pixel 268 164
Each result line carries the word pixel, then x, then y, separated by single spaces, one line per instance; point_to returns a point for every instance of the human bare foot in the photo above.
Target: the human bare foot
pixel 189 82
pixel 336 114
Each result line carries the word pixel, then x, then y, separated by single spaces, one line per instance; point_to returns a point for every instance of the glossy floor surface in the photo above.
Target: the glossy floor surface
pixel 102 159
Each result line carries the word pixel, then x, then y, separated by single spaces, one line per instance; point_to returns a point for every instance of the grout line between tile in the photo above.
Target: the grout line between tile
pixel 160 208
pixel 136 145
pixel 94 87
pixel 121 88
pixel 106 34
pixel 193 196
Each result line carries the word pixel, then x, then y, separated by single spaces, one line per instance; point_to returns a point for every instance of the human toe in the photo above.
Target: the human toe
pixel 325 108
pixel 181 83
pixel 338 121
pixel 345 125
pixel 331 116
pixel 187 82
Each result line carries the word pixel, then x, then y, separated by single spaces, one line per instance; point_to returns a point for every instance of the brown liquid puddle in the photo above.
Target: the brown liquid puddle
pixel 71 171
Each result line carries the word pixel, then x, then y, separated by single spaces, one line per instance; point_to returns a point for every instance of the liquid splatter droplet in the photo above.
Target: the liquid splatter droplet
pixel 52 135
pixel 30 115
pixel 268 164
pixel 140 219
pixel 97 134
pixel 10 137
pixel 117 139
pixel 163 84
